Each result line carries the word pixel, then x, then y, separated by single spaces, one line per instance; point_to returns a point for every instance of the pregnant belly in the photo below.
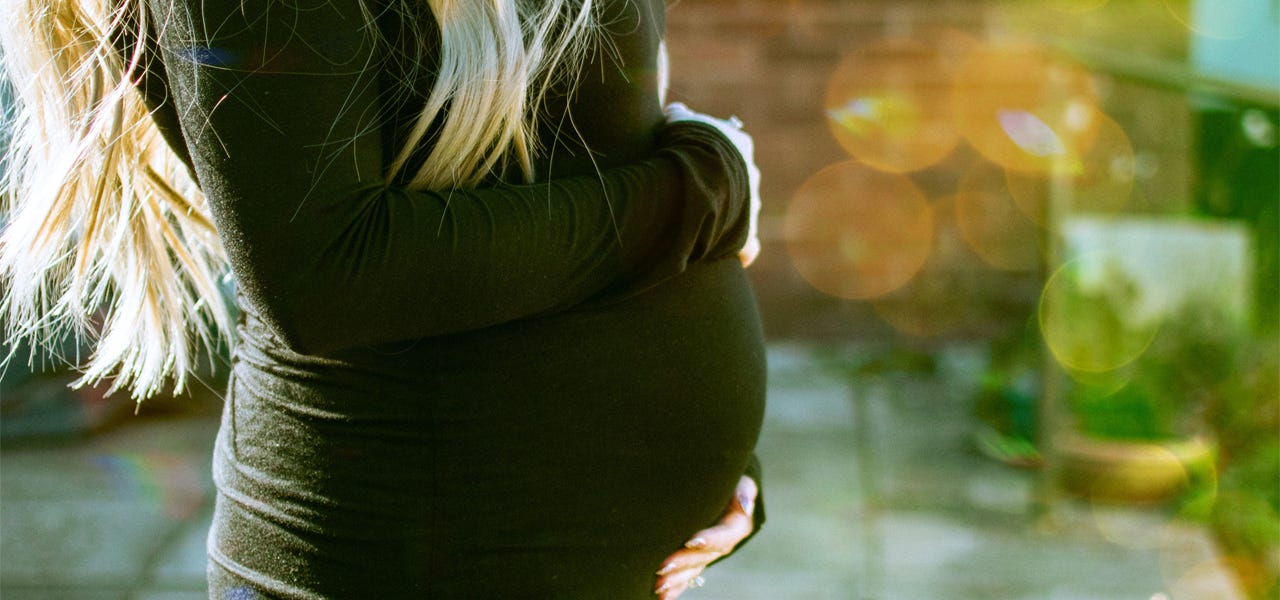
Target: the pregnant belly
pixel 584 446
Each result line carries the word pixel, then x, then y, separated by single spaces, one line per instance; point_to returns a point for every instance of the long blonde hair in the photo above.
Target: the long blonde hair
pixel 105 233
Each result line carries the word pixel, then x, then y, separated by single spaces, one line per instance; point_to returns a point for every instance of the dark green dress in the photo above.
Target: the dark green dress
pixel 533 391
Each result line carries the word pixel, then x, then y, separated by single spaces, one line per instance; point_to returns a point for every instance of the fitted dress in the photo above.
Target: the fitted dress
pixel 513 391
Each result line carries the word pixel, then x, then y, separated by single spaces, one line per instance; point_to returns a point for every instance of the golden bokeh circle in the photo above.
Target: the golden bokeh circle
pixel 858 233
pixel 1100 180
pixel 992 223
pixel 1023 109
pixel 1103 180
pixel 886 104
pixel 1082 321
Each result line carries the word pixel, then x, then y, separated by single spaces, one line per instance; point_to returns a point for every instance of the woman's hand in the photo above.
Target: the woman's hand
pixel 732 129
pixel 683 570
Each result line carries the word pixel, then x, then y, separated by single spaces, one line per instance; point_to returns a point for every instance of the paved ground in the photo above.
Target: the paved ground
pixel 872 487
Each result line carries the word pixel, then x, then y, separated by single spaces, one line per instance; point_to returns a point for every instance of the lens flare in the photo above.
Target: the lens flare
pixel 169 482
pixel 1030 193
pixel 1023 110
pixel 1030 134
pixel 1098 384
pixel 1083 317
pixel 993 225
pixel 857 233
pixel 1213 578
pixel 950 295
pixel 1211 20
pixel 886 105
pixel 1124 527
pixel 1187 571
pixel 1101 183
pixel 1104 182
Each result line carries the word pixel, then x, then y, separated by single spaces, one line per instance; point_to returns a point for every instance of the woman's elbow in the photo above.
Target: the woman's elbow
pixel 301 318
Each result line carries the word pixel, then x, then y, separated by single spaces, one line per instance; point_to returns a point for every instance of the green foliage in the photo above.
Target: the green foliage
pixel 1191 368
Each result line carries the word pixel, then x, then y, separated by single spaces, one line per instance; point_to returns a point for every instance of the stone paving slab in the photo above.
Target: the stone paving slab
pixel 901 507
pixel 182 566
pixel 89 517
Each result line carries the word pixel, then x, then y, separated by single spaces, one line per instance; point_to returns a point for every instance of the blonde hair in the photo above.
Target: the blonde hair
pixel 107 236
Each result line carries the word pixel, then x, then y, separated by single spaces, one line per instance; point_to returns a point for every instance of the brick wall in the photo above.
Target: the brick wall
pixel 769 62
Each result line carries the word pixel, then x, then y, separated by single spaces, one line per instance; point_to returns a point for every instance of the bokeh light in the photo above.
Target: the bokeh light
pixel 1212 578
pixel 1030 193
pixel 1099 384
pixel 1100 181
pixel 1210 20
pixel 168 482
pixel 948 296
pixel 858 233
pixel 1083 320
pixel 1186 571
pixel 992 223
pixel 886 105
pixel 1118 525
pixel 1022 109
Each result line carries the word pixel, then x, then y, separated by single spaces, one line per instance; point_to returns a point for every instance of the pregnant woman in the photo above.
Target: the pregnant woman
pixel 495 340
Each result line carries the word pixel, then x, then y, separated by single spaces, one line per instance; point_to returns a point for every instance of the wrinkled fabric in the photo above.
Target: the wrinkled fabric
pixel 524 391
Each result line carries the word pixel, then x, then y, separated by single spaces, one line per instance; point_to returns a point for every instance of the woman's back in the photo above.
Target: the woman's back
pixel 559 455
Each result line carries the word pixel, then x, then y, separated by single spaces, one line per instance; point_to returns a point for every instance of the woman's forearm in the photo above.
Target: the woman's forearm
pixel 280 126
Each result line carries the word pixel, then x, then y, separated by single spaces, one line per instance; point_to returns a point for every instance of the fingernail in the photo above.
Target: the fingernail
pixel 695 543
pixel 747 503
pixel 667 568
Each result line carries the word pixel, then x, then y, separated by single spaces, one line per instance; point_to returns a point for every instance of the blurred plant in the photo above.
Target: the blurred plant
pixel 1245 417
pixel 1190 370
pixel 1204 373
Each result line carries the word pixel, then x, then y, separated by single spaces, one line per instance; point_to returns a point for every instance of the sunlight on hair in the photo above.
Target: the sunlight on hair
pixel 104 226
pixel 109 239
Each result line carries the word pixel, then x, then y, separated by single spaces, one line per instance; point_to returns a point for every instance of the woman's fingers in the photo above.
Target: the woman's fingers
pixel 688 559
pixel 676 584
pixel 683 568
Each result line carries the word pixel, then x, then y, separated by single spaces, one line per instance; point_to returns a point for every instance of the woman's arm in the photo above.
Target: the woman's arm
pixel 277 105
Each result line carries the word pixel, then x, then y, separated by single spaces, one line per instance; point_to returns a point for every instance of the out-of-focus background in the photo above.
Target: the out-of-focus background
pixel 1020 282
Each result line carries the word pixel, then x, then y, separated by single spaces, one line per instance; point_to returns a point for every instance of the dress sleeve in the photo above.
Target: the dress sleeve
pixel 276 106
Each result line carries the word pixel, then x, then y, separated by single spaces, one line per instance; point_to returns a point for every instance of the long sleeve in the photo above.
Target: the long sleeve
pixel 276 106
